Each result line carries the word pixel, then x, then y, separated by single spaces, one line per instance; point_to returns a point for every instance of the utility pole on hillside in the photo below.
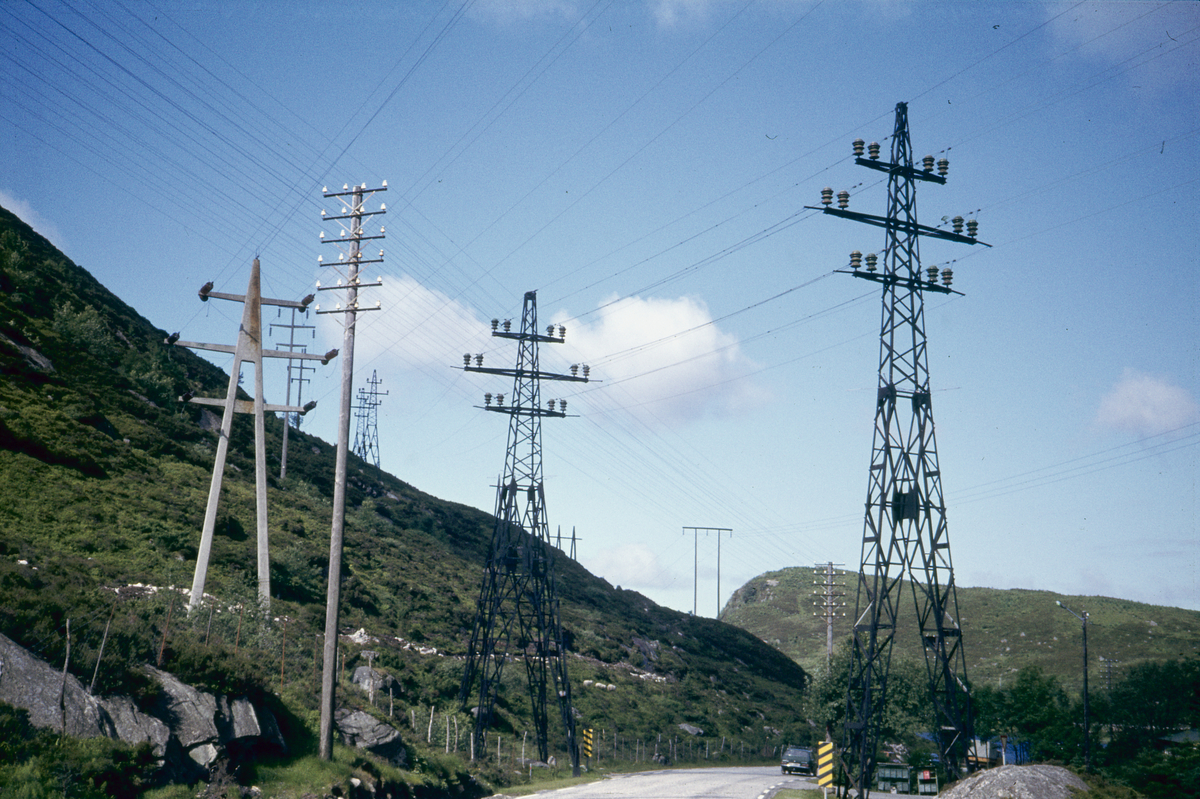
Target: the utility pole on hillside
pixel 827 590
pixel 295 372
pixel 248 349
pixel 366 436
pixel 696 564
pixel 905 532
pixel 559 541
pixel 517 614
pixel 349 241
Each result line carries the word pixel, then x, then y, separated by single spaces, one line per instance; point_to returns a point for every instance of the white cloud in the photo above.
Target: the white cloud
pixel 1146 405
pixel 416 328
pixel 630 566
pixel 32 218
pixel 669 13
pixel 664 359
pixel 508 11
pixel 680 13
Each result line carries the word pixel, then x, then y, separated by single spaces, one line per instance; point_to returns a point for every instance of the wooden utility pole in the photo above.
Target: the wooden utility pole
pixel 828 591
pixel 350 241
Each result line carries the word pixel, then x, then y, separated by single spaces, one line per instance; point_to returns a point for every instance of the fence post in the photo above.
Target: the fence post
pixel 103 641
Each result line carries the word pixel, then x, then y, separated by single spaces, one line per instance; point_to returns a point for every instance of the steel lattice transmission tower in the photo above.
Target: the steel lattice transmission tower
pixel 366 411
pixel 905 534
pixel 517 615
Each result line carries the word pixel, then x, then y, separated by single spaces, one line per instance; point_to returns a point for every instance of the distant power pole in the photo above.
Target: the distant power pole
pixel 1109 665
pixel 350 261
pixel 366 437
pixel 827 590
pixel 696 564
pixel 905 532
pixel 248 348
pixel 517 615
pixel 559 542
pixel 295 372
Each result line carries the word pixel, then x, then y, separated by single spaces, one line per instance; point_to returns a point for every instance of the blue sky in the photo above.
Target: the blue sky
pixel 645 166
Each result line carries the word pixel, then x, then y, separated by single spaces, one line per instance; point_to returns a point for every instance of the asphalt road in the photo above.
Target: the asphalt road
pixel 700 783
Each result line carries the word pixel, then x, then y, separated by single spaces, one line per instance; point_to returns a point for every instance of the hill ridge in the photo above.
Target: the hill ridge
pixel 1003 629
pixel 103 482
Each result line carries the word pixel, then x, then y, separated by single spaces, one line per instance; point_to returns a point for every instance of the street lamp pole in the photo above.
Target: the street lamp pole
pixel 1087 738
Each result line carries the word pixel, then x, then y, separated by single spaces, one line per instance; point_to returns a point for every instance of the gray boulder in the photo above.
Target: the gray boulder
pixel 1018 782
pixel 133 726
pixel 364 731
pixel 372 680
pixel 191 713
pixel 33 684
pixel 208 726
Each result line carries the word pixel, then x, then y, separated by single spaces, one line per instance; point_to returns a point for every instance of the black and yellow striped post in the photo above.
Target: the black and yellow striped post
pixel 825 765
pixel 587 743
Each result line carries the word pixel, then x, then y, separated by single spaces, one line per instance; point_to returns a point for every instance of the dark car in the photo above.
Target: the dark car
pixel 797 760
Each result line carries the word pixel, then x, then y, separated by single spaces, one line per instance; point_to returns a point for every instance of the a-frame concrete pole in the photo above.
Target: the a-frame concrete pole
pixel 251 312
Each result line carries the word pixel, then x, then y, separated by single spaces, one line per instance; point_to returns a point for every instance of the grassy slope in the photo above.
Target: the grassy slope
pixel 103 482
pixel 1003 630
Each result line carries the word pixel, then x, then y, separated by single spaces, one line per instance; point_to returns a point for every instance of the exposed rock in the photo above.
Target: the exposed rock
pixel 649 650
pixel 133 726
pixel 184 721
pixel 1017 782
pixel 370 680
pixel 204 754
pixel 691 729
pixel 32 356
pixel 364 731
pixel 209 421
pixel 241 720
pixel 192 713
pixel 61 705
pixel 361 637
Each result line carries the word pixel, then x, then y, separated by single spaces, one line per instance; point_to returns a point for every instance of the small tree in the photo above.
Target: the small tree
pixel 1033 709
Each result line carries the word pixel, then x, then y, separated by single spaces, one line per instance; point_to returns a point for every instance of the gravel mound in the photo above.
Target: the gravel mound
pixel 1017 782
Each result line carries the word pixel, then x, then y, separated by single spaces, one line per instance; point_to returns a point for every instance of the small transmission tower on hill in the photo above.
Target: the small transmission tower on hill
pixel 295 373
pixel 905 533
pixel 517 614
pixel 366 411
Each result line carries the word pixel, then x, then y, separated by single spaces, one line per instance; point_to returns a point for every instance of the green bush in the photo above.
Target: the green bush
pixel 37 763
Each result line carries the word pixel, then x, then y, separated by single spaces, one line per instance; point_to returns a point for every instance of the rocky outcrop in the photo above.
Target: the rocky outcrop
pixel 133 726
pixel 210 728
pixel 364 731
pixel 190 730
pixel 1018 782
pixel 53 700
pixel 373 681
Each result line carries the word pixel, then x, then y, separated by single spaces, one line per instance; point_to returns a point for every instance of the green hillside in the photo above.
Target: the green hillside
pixel 1004 630
pixel 103 482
